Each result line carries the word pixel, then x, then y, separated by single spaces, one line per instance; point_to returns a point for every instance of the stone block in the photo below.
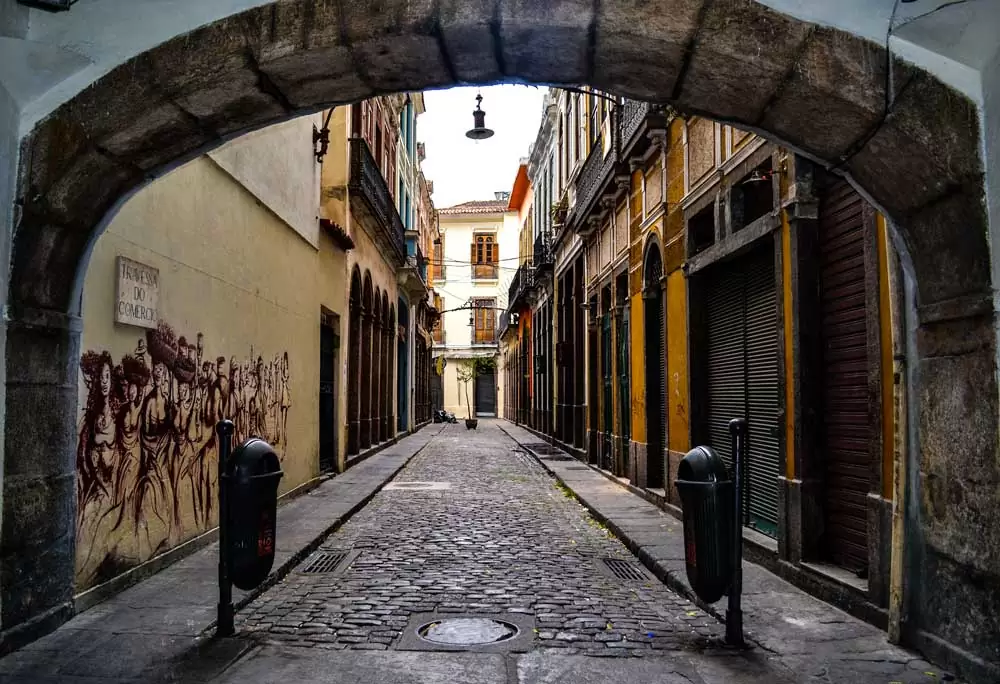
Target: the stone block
pixel 654 34
pixel 947 592
pixel 219 83
pixel 126 114
pixel 302 53
pixel 469 39
pixel 546 42
pixel 834 95
pixel 40 444
pixel 959 471
pixel 45 264
pixel 742 54
pixel 956 336
pixel 37 557
pixel 40 355
pixel 396 48
pixel 928 145
pixel 947 242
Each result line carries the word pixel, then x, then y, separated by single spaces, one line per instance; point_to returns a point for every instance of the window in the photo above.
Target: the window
pixel 485 257
pixel 484 318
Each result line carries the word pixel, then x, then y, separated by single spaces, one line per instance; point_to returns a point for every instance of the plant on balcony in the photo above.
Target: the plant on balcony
pixel 559 211
pixel 467 372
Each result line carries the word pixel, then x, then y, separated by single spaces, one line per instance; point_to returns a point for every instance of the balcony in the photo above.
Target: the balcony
pixel 636 120
pixel 503 324
pixel 521 286
pixel 595 176
pixel 412 277
pixel 485 271
pixel 371 199
pixel 542 254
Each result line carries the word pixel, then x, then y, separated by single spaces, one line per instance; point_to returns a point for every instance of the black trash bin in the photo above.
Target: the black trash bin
pixel 253 475
pixel 707 495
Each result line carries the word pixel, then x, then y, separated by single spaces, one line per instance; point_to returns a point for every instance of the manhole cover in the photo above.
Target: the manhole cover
pixel 418 486
pixel 467 631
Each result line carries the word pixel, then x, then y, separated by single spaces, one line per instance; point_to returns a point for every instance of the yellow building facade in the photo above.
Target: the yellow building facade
pixel 203 300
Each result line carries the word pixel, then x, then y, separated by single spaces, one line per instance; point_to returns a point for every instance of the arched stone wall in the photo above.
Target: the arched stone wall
pixel 915 151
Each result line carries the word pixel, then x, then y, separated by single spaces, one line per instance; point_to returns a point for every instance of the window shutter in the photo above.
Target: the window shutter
pixel 496 252
pixel 472 258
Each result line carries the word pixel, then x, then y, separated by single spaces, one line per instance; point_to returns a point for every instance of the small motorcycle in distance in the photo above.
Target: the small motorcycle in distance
pixel 442 416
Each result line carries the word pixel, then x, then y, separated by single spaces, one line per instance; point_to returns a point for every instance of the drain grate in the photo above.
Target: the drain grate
pixel 324 562
pixel 577 467
pixel 622 569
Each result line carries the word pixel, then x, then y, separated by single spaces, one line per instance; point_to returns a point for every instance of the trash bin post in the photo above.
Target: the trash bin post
pixel 224 623
pixel 734 611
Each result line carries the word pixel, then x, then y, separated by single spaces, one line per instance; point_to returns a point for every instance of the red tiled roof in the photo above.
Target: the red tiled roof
pixel 477 207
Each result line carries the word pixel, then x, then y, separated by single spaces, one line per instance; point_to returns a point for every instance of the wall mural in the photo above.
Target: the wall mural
pixel 147 455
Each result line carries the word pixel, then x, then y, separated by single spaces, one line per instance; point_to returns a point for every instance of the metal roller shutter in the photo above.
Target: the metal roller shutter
pixel 726 358
pixel 845 375
pixel 762 393
pixel 743 375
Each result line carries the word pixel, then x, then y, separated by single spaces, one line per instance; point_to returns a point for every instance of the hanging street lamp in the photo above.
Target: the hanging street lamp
pixel 479 130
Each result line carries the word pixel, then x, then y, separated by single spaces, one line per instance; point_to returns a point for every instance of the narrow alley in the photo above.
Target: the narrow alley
pixel 468 525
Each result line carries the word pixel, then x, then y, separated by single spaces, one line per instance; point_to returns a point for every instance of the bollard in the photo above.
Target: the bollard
pixel 224 623
pixel 734 610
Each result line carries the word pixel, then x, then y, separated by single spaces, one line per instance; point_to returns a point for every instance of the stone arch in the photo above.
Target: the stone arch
pixel 354 364
pixel 816 89
pixel 655 330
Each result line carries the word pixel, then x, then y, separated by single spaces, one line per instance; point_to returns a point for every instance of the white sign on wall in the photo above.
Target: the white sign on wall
pixel 138 294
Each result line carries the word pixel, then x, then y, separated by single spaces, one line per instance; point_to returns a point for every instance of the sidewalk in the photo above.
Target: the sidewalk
pixel 815 639
pixel 157 629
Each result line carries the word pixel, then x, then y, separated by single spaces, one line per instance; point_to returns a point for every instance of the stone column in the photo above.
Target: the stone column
pixel 38 547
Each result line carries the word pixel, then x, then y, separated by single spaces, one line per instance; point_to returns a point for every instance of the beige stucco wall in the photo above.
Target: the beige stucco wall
pixel 247 285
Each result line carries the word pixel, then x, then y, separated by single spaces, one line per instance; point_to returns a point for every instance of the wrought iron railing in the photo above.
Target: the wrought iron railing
pixel 631 132
pixel 503 323
pixel 596 173
pixel 631 115
pixel 523 279
pixel 542 251
pixel 368 184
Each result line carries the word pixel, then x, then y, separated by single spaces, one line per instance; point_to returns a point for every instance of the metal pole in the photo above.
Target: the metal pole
pixel 224 623
pixel 734 612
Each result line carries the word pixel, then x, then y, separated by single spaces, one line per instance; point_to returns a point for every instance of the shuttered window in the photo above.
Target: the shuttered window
pixel 743 375
pixel 485 256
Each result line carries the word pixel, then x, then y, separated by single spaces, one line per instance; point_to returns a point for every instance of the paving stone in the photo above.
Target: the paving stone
pixel 502 539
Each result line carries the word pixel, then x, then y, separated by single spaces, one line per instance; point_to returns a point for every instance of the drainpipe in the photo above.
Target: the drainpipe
pixel 900 448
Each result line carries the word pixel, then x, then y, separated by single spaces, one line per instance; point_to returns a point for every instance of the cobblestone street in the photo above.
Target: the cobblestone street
pixel 489 532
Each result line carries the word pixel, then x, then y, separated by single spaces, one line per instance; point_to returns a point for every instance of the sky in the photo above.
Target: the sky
pixel 464 169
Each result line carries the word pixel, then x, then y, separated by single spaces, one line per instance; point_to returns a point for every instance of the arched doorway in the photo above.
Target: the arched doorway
pixel 390 378
pixel 378 349
pixel 654 317
pixel 354 366
pixel 367 359
pixel 403 365
pixel 915 149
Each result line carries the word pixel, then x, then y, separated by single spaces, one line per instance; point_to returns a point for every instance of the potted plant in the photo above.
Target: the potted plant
pixel 468 372
pixel 559 210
